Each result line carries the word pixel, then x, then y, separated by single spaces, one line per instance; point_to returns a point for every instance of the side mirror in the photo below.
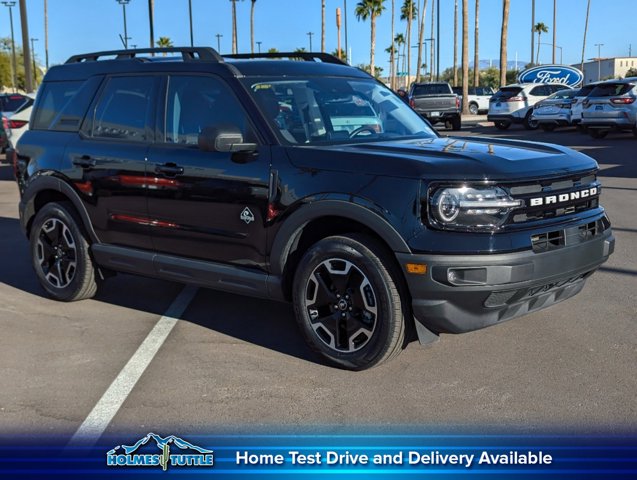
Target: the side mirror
pixel 224 138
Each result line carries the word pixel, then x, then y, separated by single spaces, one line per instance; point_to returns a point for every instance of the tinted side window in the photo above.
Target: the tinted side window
pixel 541 91
pixel 124 109
pixel 196 102
pixel 53 98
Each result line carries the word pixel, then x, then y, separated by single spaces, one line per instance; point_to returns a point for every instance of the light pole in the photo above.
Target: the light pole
pixel 310 34
pixel 14 81
pixel 192 44
pixel 432 67
pixel 35 76
pixel 259 45
pixel 123 3
pixel 219 36
pixel 554 47
pixel 599 60
pixel 345 21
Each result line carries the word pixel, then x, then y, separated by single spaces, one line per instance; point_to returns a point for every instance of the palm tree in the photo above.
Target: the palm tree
pixel 421 33
pixel 252 25
pixel 164 42
pixel 235 40
pixel 370 9
pixel 400 41
pixel 323 26
pixel 273 50
pixel 408 12
pixel 433 57
pixel 392 52
pixel 465 56
pixel 503 41
pixel 588 9
pixel 539 28
pixel 476 53
pixel 554 28
pixel 455 44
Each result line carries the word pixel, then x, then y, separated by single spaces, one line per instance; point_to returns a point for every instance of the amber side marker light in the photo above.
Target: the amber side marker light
pixel 416 268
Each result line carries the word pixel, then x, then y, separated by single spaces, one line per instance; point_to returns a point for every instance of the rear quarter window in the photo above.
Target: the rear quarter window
pixel 611 89
pixel 55 96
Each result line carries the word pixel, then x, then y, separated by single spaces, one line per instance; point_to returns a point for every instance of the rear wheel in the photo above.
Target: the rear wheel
pixel 635 132
pixel 597 133
pixel 347 302
pixel 529 123
pixel 456 123
pixel 548 127
pixel 60 253
pixel 473 108
pixel 502 125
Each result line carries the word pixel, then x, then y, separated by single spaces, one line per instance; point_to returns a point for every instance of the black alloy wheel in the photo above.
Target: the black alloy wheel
pixel 347 302
pixel 60 253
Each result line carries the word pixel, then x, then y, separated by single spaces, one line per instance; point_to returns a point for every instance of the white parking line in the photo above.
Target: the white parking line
pixel 108 406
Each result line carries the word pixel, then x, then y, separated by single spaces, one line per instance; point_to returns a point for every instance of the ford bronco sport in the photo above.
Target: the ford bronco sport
pixel 298 179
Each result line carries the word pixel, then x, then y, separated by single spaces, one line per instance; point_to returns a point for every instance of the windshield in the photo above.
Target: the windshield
pixel 330 110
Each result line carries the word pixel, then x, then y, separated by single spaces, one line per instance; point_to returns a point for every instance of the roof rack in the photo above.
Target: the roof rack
pixel 307 56
pixel 188 54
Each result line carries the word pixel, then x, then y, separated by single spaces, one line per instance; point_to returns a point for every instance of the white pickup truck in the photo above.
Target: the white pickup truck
pixel 478 98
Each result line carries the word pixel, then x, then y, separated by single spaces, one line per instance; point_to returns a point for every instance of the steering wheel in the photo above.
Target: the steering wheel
pixel 364 128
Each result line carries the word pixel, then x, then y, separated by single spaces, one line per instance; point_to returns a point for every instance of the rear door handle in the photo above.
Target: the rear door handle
pixel 85 161
pixel 169 169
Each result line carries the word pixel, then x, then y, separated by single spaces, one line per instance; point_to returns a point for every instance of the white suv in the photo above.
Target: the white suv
pixel 514 103
pixel 478 98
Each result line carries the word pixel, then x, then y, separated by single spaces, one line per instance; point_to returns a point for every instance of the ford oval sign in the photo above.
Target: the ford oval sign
pixel 561 74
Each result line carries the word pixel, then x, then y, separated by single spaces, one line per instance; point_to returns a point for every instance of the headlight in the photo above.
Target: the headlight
pixel 470 208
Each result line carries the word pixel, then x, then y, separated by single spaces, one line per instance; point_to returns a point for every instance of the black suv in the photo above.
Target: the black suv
pixel 300 180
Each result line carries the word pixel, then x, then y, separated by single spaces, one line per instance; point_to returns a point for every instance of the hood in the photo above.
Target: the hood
pixel 459 158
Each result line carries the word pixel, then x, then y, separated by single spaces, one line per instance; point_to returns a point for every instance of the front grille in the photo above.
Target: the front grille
pixel 545 242
pixel 554 198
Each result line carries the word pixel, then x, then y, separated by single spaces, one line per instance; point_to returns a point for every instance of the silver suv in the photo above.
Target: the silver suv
pixel 611 106
pixel 514 103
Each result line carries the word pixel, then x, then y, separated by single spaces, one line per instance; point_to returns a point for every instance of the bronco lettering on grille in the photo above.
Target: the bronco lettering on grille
pixel 564 197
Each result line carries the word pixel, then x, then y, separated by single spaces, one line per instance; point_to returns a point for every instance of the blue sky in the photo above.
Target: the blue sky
pixel 77 26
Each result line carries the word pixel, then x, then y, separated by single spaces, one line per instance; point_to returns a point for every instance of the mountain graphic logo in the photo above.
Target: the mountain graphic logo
pixel 184 454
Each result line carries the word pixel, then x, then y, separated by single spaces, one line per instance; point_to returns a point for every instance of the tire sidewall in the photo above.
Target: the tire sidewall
pixel 51 211
pixel 380 280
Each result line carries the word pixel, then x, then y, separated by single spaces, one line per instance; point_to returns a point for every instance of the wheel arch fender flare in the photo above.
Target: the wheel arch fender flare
pixel 294 224
pixel 45 182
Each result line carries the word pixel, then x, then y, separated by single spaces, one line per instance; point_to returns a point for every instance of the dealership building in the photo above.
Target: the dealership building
pixel 599 69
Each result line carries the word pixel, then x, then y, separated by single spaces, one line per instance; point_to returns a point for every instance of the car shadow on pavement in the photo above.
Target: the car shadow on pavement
pixel 265 323
pixel 6 172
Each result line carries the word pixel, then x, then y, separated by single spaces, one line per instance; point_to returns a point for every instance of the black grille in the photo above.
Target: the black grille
pixel 561 196
pixel 548 241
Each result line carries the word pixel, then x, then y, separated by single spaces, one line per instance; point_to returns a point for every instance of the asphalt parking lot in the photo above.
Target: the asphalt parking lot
pixel 232 363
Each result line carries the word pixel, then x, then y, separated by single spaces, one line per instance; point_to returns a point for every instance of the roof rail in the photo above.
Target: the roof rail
pixel 307 56
pixel 188 54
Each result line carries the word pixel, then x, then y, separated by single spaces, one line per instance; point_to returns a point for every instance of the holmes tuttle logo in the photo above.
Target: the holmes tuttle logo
pixel 125 456
pixel 561 74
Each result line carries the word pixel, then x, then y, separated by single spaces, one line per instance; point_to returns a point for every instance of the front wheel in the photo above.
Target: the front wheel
pixel 529 123
pixel 60 253
pixel 347 302
pixel 473 108
pixel 502 125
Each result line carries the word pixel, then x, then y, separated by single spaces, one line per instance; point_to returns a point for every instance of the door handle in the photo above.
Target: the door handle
pixel 169 169
pixel 85 161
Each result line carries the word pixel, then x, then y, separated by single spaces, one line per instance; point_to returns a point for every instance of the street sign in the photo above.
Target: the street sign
pixel 401 74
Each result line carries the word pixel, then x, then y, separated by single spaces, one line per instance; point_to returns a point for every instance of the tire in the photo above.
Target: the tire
pixel 502 125
pixel 548 127
pixel 530 124
pixel 357 320
pixel 456 124
pixel 60 253
pixel 597 133
pixel 635 132
pixel 582 128
pixel 473 108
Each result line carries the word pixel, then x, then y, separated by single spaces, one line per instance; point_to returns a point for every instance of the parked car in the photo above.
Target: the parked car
pixel 578 104
pixel 437 103
pixel 18 124
pixel 478 98
pixel 514 103
pixel 230 173
pixel 611 106
pixel 12 102
pixel 555 110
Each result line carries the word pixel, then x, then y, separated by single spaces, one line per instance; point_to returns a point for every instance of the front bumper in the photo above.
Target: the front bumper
pixel 460 293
